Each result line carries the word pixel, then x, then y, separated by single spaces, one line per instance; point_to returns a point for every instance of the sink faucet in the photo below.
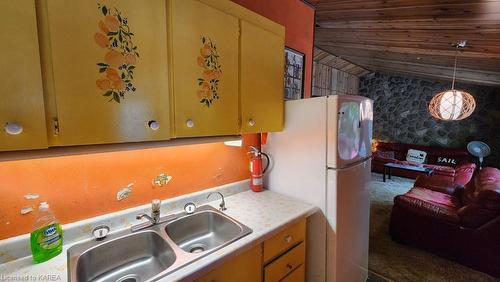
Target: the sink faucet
pixel 222 206
pixel 155 213
pixel 154 218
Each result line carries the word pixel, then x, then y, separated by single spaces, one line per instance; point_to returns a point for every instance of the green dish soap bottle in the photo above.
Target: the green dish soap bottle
pixel 47 235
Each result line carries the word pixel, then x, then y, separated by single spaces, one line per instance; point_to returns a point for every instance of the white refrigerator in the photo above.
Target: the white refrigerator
pixel 323 157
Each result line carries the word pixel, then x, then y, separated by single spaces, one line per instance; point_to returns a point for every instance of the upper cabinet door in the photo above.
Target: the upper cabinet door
pixel 205 70
pixel 109 70
pixel 22 115
pixel 262 69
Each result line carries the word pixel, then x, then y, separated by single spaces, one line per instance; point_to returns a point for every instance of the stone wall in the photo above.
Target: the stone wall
pixel 401 114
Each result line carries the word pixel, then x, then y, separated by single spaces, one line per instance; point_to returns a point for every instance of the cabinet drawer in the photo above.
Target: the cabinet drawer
pixel 284 240
pixel 298 275
pixel 285 264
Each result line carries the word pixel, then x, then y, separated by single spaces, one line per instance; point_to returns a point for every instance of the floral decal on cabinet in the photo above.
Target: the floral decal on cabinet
pixel 208 84
pixel 121 54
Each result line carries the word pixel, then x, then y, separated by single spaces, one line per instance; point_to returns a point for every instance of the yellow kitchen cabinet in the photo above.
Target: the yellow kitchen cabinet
pixel 204 44
pixel 106 67
pixel 246 267
pixel 22 115
pixel 286 264
pixel 284 254
pixel 261 78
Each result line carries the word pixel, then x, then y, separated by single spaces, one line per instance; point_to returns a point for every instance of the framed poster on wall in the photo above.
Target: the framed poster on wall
pixel 294 74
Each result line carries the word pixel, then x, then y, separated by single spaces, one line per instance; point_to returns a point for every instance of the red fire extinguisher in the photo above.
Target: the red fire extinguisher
pixel 256 171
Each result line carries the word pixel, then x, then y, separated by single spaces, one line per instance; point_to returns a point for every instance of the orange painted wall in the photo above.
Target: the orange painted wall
pixel 298 19
pixel 83 186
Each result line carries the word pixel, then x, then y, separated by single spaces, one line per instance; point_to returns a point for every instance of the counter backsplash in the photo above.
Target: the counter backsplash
pixel 19 246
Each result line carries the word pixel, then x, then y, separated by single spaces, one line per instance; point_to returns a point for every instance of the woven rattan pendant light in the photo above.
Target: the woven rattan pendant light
pixel 452 104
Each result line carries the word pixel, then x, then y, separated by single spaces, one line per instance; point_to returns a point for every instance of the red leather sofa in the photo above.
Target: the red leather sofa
pixel 459 170
pixel 456 222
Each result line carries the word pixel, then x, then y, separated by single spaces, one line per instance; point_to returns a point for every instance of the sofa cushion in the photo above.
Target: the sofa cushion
pixel 440 170
pixel 481 198
pixel 434 197
pixel 426 202
pixel 408 163
pixel 435 183
pixel 475 215
pixel 486 186
pixel 416 156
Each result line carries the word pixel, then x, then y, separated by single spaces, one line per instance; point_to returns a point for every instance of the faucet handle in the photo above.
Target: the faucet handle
pixel 155 205
pixel 100 232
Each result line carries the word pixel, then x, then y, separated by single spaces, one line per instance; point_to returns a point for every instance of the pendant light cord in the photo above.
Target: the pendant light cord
pixel 454 70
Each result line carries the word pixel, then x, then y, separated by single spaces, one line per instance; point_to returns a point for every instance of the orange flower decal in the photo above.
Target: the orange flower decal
pixel 119 85
pixel 103 27
pixel 103 84
pixel 212 71
pixel 112 74
pixel 112 23
pixel 120 59
pixel 130 59
pixel 101 40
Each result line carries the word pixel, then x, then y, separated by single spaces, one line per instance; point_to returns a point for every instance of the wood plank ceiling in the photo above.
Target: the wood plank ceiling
pixel 414 36
pixel 335 62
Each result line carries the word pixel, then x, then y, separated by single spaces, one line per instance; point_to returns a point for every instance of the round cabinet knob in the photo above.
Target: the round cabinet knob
pixel 154 125
pixel 251 122
pixel 190 123
pixel 13 128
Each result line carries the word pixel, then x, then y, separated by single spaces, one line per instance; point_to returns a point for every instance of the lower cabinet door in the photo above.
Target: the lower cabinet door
pixel 246 267
pixel 22 115
pixel 109 69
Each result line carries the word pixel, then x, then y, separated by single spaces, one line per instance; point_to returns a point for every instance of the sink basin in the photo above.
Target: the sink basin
pixel 154 251
pixel 203 231
pixel 133 258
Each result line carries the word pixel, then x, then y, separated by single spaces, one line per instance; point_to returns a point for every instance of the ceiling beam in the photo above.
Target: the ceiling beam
pixel 407 24
pixel 429 76
pixel 413 50
pixel 464 75
pixel 487 11
pixel 447 61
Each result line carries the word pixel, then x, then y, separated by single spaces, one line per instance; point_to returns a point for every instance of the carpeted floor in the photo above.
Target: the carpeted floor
pixel 397 262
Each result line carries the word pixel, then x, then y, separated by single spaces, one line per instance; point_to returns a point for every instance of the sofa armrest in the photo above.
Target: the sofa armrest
pixel 437 184
pixel 383 160
pixel 464 173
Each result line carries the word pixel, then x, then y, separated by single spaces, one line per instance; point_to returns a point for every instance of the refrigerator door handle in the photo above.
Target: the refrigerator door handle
pixel 350 165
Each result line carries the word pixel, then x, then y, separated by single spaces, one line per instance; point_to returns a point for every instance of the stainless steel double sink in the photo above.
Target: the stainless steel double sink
pixel 156 251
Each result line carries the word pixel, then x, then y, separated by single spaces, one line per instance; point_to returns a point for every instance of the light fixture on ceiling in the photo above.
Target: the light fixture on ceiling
pixel 453 104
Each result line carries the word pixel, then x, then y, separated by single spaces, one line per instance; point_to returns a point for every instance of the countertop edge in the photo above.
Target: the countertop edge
pixel 202 270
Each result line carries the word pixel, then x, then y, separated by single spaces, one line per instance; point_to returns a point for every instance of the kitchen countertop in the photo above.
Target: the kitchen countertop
pixel 265 213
